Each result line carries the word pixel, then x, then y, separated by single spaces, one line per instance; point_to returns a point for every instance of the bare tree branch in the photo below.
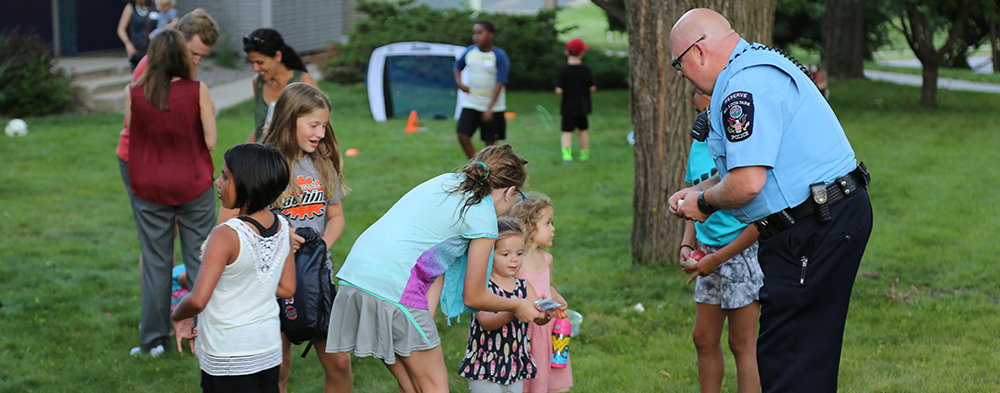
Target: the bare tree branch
pixel 613 10
pixel 956 28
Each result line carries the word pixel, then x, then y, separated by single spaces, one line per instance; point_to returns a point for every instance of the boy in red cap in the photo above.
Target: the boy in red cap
pixel 574 82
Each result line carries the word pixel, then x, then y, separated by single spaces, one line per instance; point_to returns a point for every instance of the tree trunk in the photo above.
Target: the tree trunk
pixel 844 38
pixel 995 45
pixel 920 36
pixel 929 88
pixel 662 113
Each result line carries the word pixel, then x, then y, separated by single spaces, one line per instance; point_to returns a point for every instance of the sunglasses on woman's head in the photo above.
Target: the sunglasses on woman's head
pixel 256 40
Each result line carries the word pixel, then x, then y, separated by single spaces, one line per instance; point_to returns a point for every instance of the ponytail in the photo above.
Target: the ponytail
pixel 494 167
pixel 291 59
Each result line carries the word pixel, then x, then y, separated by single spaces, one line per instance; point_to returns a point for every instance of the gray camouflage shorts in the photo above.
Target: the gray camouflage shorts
pixel 734 284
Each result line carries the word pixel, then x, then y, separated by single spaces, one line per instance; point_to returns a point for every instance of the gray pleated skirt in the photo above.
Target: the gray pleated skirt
pixel 367 325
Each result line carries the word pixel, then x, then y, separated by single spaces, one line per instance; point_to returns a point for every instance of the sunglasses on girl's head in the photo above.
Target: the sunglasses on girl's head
pixel 256 40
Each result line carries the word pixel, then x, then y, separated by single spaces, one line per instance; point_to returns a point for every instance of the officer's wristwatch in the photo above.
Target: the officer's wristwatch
pixel 704 206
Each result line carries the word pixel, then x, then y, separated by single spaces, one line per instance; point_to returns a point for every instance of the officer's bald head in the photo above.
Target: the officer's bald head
pixel 696 23
pixel 706 57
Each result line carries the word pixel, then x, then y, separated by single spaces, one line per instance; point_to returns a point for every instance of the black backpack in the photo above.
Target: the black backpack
pixel 306 317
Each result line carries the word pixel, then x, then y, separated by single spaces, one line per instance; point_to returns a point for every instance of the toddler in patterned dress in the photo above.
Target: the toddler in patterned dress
pixel 498 357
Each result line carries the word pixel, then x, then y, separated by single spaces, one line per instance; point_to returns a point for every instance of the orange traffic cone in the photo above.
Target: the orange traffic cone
pixel 412 125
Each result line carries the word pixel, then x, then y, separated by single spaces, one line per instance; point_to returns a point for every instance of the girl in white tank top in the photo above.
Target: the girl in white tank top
pixel 246 262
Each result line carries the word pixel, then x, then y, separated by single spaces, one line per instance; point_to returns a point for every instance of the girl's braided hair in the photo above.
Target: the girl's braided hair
pixel 494 167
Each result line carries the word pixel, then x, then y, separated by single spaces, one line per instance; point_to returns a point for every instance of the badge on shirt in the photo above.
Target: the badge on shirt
pixel 737 116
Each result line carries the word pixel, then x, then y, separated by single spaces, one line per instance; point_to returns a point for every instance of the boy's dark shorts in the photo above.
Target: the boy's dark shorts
pixel 572 123
pixel 471 119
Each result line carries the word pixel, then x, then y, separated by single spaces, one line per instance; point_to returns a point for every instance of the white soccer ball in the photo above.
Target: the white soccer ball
pixel 16 127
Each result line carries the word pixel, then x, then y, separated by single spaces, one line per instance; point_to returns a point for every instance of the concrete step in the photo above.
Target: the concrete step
pixel 114 83
pixel 102 94
pixel 93 73
pixel 99 81
pixel 93 68
pixel 106 102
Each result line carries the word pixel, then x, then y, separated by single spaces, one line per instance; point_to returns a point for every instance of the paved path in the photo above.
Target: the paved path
pixel 980 63
pixel 235 92
pixel 232 93
pixel 943 83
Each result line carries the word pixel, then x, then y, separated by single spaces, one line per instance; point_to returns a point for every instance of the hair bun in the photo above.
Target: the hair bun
pixel 477 170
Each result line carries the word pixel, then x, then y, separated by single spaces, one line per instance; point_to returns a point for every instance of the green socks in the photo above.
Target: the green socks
pixel 584 155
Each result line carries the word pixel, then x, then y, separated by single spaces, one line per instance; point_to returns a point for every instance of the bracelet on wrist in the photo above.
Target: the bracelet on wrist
pixel 686 245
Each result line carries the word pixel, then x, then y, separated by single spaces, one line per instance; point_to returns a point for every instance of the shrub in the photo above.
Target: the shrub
pixel 531 42
pixel 610 71
pixel 30 85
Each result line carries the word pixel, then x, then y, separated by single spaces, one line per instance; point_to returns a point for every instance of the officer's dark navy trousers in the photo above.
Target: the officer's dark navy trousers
pixel 803 309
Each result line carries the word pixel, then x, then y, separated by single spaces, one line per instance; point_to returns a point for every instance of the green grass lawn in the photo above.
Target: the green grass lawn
pixel 588 22
pixel 924 313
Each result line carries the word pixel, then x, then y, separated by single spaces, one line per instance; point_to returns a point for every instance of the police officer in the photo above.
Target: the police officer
pixel 786 166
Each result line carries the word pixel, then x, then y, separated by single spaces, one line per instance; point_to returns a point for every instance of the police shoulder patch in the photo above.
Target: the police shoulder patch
pixel 737 116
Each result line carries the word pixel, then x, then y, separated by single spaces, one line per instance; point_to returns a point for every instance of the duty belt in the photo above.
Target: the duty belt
pixel 818 204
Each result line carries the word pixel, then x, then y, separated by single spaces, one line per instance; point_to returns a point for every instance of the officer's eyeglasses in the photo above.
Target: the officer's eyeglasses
pixel 677 62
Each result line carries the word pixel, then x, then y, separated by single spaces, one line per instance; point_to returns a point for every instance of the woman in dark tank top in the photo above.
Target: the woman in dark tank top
pixel 277 65
pixel 134 28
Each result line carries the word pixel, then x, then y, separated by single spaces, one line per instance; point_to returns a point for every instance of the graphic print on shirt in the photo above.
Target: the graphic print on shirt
pixel 312 200
pixel 737 111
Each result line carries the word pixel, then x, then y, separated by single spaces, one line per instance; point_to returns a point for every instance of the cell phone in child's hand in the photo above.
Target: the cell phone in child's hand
pixel 548 304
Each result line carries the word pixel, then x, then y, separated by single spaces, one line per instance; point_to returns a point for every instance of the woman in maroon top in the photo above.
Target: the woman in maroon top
pixel 172 132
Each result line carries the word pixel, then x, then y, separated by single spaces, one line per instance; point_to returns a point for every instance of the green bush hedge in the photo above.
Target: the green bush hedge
pixel 29 83
pixel 531 42
pixel 611 72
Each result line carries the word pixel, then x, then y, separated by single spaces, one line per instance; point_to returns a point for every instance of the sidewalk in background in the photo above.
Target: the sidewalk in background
pixel 943 83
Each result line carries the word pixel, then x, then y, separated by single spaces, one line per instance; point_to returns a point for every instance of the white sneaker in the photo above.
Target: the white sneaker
pixel 154 352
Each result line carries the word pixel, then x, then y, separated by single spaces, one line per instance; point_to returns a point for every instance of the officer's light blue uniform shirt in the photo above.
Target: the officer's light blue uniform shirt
pixel 721 228
pixel 766 112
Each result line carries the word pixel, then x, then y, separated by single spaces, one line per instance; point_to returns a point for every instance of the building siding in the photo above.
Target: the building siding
pixel 306 25
pixel 236 19
pixel 309 25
